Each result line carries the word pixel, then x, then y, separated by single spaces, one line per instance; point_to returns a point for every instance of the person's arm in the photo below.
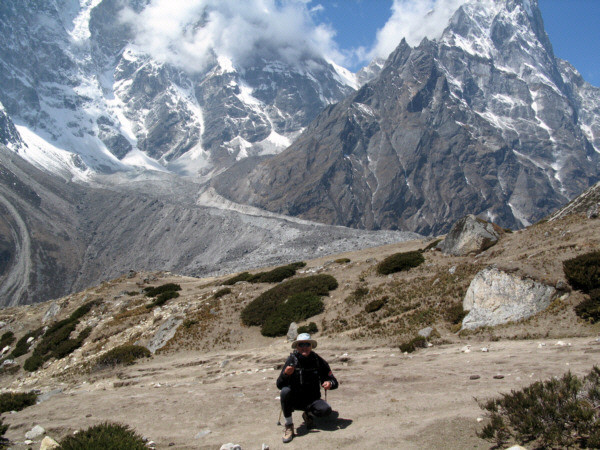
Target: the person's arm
pixel 326 375
pixel 287 371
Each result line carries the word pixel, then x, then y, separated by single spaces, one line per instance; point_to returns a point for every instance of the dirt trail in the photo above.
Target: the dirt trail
pixel 386 399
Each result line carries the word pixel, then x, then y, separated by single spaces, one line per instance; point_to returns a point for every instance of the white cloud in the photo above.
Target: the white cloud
pixel 187 32
pixel 412 20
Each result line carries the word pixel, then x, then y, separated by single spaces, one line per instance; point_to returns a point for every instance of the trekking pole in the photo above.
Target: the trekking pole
pixel 279 420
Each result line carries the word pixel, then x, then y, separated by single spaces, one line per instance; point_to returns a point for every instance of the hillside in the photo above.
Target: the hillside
pixel 215 370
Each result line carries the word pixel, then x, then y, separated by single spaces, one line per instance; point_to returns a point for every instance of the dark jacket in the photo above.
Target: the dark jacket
pixel 309 374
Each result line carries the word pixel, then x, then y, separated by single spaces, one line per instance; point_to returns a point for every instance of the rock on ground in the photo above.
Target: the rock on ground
pixel 470 235
pixel 495 297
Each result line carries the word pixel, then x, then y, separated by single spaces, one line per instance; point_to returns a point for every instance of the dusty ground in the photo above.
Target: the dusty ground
pixel 386 399
pixel 214 382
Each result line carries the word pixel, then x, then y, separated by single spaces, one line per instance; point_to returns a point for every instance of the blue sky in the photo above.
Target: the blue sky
pixel 572 26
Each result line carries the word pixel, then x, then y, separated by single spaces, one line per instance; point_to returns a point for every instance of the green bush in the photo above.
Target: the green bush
pixel 162 298
pixel 413 344
pixel 342 261
pixel 431 245
pixel 3 441
pixel 122 355
pixel 559 413
pixel 221 292
pixel 244 276
pixel 376 305
pixel 295 308
pixel 272 276
pixel 311 328
pixel 16 401
pixel 455 314
pixel 22 346
pixel 154 291
pixel 7 339
pixel 399 262
pixel 589 309
pixel 106 436
pixel 259 309
pixel 57 342
pixel 583 272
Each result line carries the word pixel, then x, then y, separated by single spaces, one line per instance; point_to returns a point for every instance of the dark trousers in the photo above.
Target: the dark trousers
pixel 290 403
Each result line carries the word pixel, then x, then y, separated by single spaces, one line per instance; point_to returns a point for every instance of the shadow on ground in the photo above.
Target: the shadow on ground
pixel 331 423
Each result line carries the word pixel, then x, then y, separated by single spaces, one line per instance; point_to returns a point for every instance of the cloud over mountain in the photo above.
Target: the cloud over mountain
pixel 188 33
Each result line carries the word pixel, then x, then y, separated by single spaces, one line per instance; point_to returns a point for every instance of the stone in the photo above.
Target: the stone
pixel 51 312
pixel 202 433
pixel 164 333
pixel 230 446
pixel 35 432
pixel 474 377
pixel 593 211
pixel 292 333
pixel 425 332
pixel 5 349
pixel 470 235
pixel 495 297
pixel 48 443
pixel 516 447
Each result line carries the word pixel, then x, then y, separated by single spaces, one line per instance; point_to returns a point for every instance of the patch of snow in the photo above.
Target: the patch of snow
pixel 81 23
pixel 344 76
pixel 136 158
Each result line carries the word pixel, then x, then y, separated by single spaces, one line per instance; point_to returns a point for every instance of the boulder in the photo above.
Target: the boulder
pixel 230 446
pixel 495 297
pixel 48 444
pixel 425 332
pixel 164 334
pixel 51 312
pixel 292 333
pixel 35 433
pixel 470 235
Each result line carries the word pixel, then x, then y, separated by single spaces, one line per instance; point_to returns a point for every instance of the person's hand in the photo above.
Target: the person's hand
pixel 288 370
pixel 326 385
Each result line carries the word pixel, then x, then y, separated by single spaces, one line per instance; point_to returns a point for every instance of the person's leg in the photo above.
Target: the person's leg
pixel 287 403
pixel 319 408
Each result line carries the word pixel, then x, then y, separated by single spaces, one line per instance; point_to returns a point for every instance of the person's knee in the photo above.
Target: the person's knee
pixel 321 409
pixel 285 392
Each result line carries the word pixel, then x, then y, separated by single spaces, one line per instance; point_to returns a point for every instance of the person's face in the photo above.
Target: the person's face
pixel 304 348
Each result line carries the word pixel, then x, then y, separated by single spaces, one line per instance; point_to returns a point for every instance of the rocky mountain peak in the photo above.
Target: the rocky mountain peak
pixel 483 120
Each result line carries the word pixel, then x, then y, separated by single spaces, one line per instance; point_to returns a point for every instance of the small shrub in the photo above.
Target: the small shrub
pixel 558 413
pixel 431 245
pixel 589 309
pixel 34 362
pixel 22 346
pixel 7 338
pixel 105 436
pixel 413 344
pixel 122 355
pixel 187 323
pixel 376 305
pixel 297 307
pixel 259 309
pixel 16 401
pixel 311 328
pixel 342 261
pixel 399 262
pixel 244 276
pixel 132 293
pixel 162 298
pixel 583 272
pixel 274 276
pixel 221 292
pixel 154 291
pixel 3 428
pixel 455 314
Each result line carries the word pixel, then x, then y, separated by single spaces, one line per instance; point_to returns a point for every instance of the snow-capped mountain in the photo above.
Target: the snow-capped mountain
pixel 484 119
pixel 86 98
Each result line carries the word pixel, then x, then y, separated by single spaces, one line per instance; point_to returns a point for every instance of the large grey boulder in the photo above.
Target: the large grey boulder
pixel 470 235
pixel 496 297
pixel 165 333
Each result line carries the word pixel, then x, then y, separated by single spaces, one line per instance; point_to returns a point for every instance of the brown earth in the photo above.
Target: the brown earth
pixel 218 375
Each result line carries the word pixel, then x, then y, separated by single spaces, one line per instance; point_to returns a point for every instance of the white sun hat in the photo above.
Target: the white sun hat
pixel 304 337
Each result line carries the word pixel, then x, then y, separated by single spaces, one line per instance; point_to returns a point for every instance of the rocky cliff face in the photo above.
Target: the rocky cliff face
pixel 73 77
pixel 484 120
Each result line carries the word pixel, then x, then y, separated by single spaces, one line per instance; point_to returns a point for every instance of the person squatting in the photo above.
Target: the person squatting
pixel 300 382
